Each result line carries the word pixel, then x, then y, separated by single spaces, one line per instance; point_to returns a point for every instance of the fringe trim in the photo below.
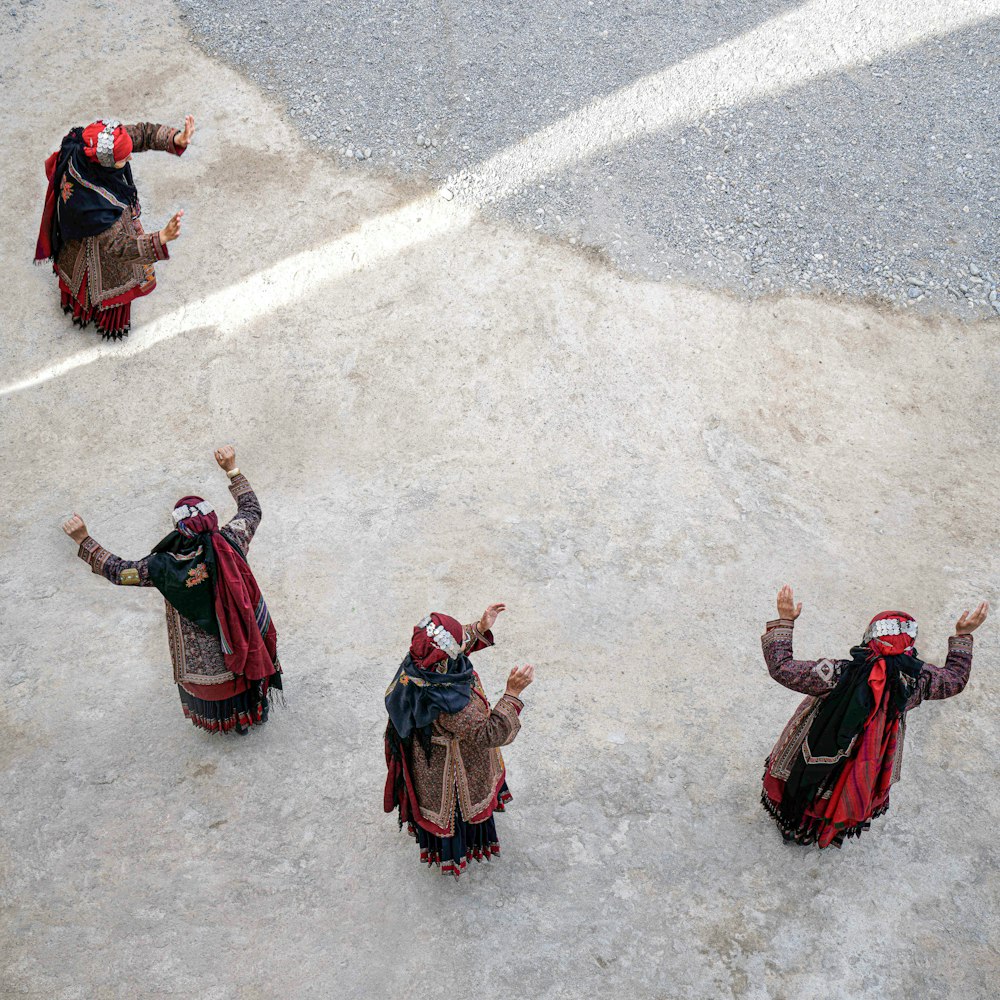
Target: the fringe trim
pixel 112 324
pixel 809 830
pixel 240 713
pixel 433 859
pixel 240 721
pixel 276 697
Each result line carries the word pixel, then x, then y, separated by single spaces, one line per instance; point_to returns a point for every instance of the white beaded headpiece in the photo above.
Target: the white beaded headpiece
pixel 440 637
pixel 184 511
pixel 106 142
pixel 890 626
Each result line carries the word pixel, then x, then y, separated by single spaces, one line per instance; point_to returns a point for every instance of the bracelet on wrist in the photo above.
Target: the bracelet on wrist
pixel 233 473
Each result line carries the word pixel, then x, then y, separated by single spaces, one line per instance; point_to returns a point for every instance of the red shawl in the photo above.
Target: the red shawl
pixel 249 639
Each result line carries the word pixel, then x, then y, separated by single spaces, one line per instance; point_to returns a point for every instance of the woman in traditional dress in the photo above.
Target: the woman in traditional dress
pixel 90 224
pixel 830 773
pixel 222 641
pixel 446 774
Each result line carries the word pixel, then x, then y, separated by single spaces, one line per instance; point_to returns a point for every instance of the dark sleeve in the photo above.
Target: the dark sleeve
pixel 815 677
pixel 147 136
pixel 122 241
pixel 475 639
pixel 494 730
pixel 241 529
pixel 124 572
pixel 936 683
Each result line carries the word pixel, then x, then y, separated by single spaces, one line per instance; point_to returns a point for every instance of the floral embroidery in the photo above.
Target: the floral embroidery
pixel 66 188
pixel 196 575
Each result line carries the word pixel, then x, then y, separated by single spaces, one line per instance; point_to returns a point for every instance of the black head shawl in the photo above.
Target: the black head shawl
pixel 839 720
pixel 89 198
pixel 182 568
pixel 416 697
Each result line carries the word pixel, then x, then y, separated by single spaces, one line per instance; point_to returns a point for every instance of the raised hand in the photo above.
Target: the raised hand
pixel 172 229
pixel 490 616
pixel 969 623
pixel 183 139
pixel 226 457
pixel 76 529
pixel 787 608
pixel 519 679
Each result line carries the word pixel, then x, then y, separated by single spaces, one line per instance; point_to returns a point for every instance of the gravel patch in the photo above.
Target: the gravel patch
pixel 880 182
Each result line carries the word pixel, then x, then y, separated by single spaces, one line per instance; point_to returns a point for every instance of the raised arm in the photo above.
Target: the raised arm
pixel 499 728
pixel 815 677
pixel 123 572
pixel 241 529
pixel 936 683
pixel 122 241
pixel 494 730
pixel 478 635
pixel 148 136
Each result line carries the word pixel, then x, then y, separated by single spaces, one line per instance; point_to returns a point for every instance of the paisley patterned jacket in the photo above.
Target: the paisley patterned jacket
pixel 120 259
pixel 465 766
pixel 816 678
pixel 197 656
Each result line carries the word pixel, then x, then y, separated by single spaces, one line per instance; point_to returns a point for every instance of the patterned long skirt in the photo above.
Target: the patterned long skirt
pixel 113 319
pixel 470 841
pixel 809 827
pixel 238 713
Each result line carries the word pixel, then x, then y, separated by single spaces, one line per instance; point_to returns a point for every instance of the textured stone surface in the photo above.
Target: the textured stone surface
pixel 633 467
pixel 848 181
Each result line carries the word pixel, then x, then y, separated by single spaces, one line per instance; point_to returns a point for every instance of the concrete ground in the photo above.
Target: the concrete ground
pixel 439 411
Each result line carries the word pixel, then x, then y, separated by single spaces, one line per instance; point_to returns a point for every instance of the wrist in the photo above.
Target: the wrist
pixel 233 472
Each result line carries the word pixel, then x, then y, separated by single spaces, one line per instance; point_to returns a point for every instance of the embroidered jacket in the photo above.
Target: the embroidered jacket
pixel 199 665
pixel 465 762
pixel 816 678
pixel 119 260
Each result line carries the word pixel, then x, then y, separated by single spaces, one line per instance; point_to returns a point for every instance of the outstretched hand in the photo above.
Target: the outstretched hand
pixel 490 616
pixel 787 608
pixel 76 529
pixel 226 457
pixel 183 139
pixel 969 623
pixel 172 229
pixel 519 679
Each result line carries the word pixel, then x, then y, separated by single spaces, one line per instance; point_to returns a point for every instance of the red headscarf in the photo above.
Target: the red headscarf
pixel 89 195
pixel 122 142
pixel 430 644
pixel 895 637
pixel 249 639
pixel 857 774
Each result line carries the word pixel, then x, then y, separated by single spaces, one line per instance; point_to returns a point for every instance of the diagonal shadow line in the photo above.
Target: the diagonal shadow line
pixel 812 41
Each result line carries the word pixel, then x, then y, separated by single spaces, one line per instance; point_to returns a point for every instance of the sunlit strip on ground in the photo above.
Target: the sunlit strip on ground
pixel 812 41
pixel 287 281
